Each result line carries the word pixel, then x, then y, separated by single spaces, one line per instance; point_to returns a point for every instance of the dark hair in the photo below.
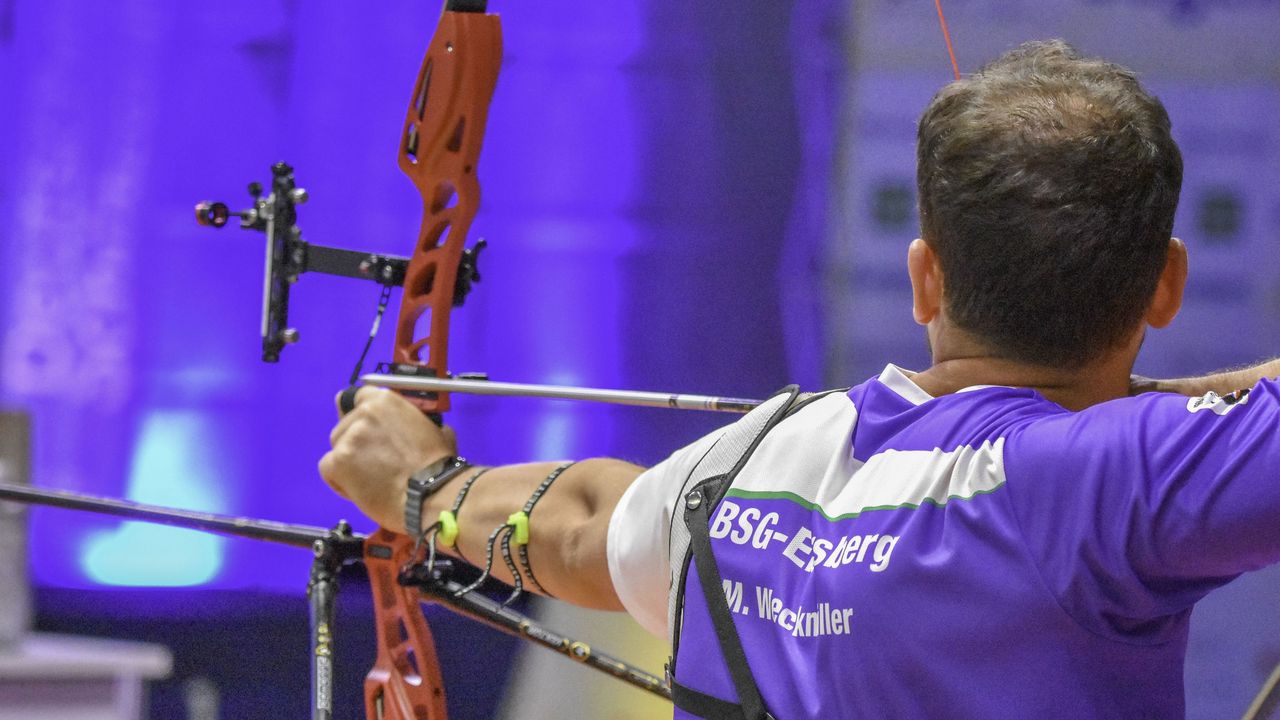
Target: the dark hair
pixel 1047 186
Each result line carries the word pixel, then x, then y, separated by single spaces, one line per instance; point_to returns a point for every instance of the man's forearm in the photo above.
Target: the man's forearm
pixel 384 439
pixel 568 526
pixel 1222 382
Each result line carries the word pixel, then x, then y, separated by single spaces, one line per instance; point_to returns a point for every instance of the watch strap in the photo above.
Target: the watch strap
pixel 423 484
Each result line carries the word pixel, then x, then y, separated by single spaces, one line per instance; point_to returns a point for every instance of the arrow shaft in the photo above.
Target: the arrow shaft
pixel 563 392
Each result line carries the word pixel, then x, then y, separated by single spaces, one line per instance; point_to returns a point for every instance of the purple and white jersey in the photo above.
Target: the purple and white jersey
pixel 985 554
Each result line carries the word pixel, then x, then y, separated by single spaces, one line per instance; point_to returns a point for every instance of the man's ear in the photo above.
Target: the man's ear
pixel 926 281
pixel 1173 280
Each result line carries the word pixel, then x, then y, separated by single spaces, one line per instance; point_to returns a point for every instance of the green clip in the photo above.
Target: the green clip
pixel 448 533
pixel 519 523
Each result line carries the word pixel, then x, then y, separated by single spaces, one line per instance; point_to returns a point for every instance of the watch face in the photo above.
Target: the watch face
pixel 436 473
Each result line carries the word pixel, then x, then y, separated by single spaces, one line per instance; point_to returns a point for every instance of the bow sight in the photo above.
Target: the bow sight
pixel 288 256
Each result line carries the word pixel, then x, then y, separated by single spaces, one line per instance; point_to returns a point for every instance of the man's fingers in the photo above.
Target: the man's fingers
pixel 1139 384
pixel 365 391
pixel 344 424
pixel 327 469
pixel 363 396
pixel 450 437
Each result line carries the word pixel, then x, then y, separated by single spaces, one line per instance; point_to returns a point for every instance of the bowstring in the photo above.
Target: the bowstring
pixel 383 300
pixel 946 35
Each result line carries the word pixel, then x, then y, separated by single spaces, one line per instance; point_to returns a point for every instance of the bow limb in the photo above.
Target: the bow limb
pixel 405 682
pixel 440 151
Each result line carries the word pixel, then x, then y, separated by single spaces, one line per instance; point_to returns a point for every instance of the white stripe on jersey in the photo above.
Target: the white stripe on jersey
pixel 840 485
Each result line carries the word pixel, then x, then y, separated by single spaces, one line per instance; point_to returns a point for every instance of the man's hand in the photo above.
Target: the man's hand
pixel 1222 382
pixel 385 439
pixel 376 447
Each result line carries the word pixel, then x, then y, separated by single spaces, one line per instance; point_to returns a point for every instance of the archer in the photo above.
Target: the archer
pixel 1007 534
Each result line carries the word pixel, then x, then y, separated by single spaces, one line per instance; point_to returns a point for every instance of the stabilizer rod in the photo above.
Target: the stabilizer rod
pixel 341 542
pixel 298 535
pixel 438 588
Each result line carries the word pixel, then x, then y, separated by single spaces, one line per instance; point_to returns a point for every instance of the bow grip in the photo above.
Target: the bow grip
pixel 347 403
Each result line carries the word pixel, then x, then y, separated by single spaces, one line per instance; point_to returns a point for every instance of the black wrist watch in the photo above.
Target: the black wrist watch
pixel 423 484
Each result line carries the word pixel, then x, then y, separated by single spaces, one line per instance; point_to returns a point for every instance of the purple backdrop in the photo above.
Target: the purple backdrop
pixel 638 179
pixel 678 197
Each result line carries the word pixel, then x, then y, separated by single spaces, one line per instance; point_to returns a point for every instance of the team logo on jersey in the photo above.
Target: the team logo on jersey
pixel 1220 404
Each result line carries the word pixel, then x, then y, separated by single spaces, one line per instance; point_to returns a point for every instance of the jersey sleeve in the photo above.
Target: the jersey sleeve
pixel 639 532
pixel 1135 509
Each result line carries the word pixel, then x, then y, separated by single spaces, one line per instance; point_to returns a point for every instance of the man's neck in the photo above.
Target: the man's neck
pixel 1072 389
pixel 961 360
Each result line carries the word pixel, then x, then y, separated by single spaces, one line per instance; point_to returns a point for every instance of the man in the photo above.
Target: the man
pixel 1006 534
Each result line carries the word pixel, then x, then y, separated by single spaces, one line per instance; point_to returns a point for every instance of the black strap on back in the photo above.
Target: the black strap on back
pixel 698 504
pixel 700 704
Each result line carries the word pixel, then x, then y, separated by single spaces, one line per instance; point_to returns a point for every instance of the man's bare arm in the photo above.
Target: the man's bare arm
pixel 1222 382
pixel 385 439
pixel 568 527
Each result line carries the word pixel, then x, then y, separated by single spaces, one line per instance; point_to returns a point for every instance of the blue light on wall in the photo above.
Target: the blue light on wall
pixel 173 465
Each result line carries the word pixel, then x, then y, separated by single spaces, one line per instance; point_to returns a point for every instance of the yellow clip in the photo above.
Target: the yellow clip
pixel 448 533
pixel 520 528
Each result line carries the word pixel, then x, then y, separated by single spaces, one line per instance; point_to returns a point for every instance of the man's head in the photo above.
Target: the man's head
pixel 1047 187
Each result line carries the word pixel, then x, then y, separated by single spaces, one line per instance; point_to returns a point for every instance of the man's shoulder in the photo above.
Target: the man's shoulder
pixel 1148 435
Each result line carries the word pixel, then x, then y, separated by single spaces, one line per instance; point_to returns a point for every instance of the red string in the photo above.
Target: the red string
pixel 946 34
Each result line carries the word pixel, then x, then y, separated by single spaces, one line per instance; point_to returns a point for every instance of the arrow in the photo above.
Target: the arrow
pixel 640 398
